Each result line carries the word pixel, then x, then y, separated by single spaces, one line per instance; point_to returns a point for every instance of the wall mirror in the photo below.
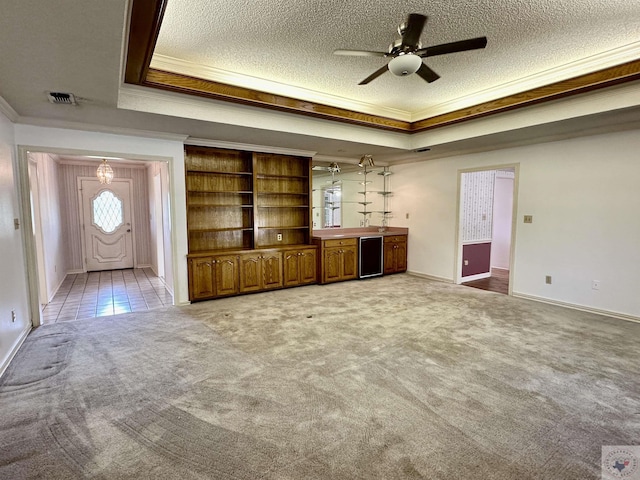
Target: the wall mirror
pixel 351 196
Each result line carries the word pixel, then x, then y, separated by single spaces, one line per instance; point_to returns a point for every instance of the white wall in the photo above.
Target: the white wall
pixel 584 197
pixel 54 241
pixel 171 150
pixel 13 286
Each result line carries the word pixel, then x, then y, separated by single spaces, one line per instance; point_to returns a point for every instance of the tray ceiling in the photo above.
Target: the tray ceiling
pixel 286 48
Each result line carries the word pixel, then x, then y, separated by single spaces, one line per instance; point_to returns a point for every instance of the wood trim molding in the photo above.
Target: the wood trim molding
pixel 175 82
pixel 584 83
pixel 146 18
pixel 144 27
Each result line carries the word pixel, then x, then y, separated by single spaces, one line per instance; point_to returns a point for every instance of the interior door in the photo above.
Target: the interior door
pixel 106 214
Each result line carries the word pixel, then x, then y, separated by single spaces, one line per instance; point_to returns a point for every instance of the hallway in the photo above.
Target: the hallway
pixel 99 294
pixel 498 282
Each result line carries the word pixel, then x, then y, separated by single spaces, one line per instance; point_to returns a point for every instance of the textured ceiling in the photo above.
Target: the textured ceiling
pixel 72 46
pixel 291 43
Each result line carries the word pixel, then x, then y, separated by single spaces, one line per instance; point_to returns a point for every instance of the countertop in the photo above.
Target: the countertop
pixel 329 233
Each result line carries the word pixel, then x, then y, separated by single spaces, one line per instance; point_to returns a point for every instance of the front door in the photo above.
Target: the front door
pixel 106 215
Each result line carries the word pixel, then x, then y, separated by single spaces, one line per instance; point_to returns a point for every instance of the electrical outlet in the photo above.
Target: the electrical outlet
pixel 407 216
pixel 466 262
pixel 595 284
pixel 279 237
pixel 528 219
pixel 547 279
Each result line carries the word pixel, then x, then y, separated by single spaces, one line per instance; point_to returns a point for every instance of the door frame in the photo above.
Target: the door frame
pixel 457 263
pixel 28 239
pixel 83 242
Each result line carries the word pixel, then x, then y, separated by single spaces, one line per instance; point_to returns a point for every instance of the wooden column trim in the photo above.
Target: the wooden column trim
pixel 144 27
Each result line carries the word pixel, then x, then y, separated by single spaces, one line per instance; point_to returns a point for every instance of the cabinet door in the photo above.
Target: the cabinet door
pixel 389 257
pixel 226 274
pixel 307 266
pixel 250 273
pixel 401 256
pixel 332 264
pixel 291 267
pixel 272 270
pixel 202 276
pixel 350 262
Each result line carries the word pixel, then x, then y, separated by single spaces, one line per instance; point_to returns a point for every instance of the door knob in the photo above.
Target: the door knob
pixel 128 229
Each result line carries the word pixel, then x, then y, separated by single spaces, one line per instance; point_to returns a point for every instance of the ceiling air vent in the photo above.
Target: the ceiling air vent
pixel 60 98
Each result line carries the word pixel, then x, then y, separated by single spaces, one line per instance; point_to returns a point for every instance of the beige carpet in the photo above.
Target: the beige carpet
pixel 389 378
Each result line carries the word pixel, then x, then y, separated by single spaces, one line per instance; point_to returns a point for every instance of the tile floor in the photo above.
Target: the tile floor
pixel 98 294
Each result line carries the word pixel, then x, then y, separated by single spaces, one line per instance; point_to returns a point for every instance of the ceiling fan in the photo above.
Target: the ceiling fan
pixel 407 53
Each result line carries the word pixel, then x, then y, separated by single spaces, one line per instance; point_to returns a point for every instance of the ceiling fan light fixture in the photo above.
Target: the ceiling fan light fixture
pixel 405 64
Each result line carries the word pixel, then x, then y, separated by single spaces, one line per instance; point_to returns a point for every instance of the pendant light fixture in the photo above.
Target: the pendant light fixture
pixel 104 172
pixel 366 160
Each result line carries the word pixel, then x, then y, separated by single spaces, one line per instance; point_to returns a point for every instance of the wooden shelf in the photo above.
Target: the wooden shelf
pixel 301 227
pixel 217 192
pixel 217 172
pixel 301 194
pixel 219 205
pixel 267 176
pixel 242 200
pixel 283 206
pixel 212 230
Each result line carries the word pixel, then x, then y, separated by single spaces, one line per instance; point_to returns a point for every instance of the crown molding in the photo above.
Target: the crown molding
pixel 179 83
pixel 594 63
pixel 8 111
pixel 183 67
pixel 203 142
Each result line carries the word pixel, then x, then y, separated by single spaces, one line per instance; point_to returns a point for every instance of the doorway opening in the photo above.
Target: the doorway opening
pixel 84 231
pixel 487 201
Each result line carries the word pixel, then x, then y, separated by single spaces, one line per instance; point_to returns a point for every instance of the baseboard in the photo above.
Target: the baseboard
pixel 430 277
pixel 145 265
pixel 473 278
pixel 582 308
pixel 75 272
pixel 14 350
pixel 500 268
pixel 55 290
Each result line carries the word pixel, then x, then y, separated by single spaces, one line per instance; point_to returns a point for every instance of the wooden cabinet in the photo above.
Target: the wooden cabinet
pixel 338 259
pixel 251 206
pixel 260 271
pixel 213 276
pixel 299 267
pixel 395 254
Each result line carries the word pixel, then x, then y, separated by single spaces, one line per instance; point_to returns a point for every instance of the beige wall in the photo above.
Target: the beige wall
pixel 13 287
pixel 584 198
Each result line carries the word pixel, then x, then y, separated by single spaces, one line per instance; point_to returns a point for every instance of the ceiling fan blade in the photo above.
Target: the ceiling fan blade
pixel 360 53
pixel 413 30
pixel 453 47
pixel 374 75
pixel 427 74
